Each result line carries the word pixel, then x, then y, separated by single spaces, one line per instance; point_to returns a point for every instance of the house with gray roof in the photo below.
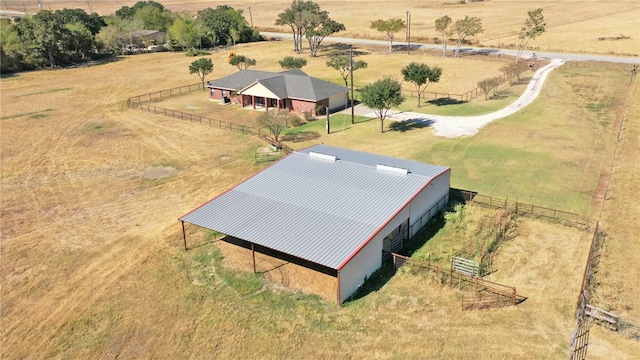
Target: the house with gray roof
pixel 293 90
pixel 337 211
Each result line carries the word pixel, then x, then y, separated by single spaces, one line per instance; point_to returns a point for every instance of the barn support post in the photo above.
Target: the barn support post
pixel 184 236
pixel 338 288
pixel 253 255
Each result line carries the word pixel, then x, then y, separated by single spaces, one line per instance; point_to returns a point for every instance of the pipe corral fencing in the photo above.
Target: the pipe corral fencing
pixel 523 209
pixel 484 294
pixel 580 337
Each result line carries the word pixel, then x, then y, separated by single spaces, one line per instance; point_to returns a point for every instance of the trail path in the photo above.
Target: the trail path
pixel 456 126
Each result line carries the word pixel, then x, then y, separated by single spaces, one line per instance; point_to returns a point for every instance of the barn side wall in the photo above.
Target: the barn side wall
pixel 427 199
pixel 368 260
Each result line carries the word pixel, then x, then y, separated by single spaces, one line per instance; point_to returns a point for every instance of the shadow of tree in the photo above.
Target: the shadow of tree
pixel 446 101
pixel 301 136
pixel 341 49
pixel 403 126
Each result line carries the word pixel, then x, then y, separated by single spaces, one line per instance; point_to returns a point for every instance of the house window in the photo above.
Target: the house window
pixel 212 91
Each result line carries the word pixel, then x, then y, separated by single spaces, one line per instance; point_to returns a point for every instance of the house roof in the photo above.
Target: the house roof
pixel 294 84
pixel 320 204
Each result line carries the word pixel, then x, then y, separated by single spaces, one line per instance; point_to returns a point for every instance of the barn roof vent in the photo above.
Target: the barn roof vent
pixel 392 169
pixel 319 156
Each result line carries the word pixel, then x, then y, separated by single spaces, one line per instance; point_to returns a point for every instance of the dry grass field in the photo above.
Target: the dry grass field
pixel 91 259
pixel 573 26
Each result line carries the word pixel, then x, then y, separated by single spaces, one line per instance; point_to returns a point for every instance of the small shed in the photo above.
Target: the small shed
pixel 334 210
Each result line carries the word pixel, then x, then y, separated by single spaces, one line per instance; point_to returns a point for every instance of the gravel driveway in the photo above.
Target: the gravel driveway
pixel 456 126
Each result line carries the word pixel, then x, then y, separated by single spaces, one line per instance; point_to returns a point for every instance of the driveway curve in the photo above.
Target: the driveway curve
pixel 456 126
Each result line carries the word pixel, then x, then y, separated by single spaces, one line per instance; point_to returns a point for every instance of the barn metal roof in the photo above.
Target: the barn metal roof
pixel 319 204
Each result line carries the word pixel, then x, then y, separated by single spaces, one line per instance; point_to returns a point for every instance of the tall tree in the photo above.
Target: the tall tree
pixel 77 41
pixel 290 62
pixel 342 64
pixel 442 27
pixel 225 25
pixel 154 18
pixel 297 17
pixel 202 67
pixel 185 32
pixel 44 34
pixel 93 22
pixel 319 26
pixel 389 27
pixel 381 96
pixel 242 62
pixel 421 75
pixel 533 27
pixel 469 26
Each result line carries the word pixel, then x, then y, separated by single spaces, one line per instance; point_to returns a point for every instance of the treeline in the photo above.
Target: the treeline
pixel 70 36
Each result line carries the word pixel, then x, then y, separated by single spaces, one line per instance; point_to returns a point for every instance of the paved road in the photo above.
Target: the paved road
pixel 526 54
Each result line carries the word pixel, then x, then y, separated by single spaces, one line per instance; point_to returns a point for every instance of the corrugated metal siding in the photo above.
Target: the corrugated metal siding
pixel 317 210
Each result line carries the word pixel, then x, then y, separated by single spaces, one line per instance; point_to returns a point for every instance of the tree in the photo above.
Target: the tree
pixel 487 85
pixel 341 63
pixel 421 75
pixel 225 25
pixel 442 26
pixel 290 62
pixel 276 120
pixel 154 17
pixel 43 33
pixel 469 26
pixel 242 62
pixel 77 41
pixel 388 27
pixel 110 39
pixel 202 67
pixel 319 26
pixel 126 12
pixel 533 27
pixel 381 96
pixel 295 16
pixel 513 70
pixel 185 32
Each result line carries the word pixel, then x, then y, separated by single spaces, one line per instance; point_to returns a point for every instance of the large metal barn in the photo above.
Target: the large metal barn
pixel 334 210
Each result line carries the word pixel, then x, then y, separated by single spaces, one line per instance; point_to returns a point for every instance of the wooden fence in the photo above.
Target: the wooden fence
pixel 163 94
pixel 522 209
pixel 133 102
pixel 465 97
pixel 485 294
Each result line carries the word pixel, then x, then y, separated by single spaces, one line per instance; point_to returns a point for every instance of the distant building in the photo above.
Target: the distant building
pixel 292 90
pixel 337 211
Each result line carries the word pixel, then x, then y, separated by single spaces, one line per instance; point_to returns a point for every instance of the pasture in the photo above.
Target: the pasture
pixel 591 26
pixel 92 264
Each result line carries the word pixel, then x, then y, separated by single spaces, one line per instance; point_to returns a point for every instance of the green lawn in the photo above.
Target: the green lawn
pixel 549 154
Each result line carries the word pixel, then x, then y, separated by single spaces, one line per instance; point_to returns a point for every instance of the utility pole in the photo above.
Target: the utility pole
pixel 250 17
pixel 406 29
pixel 409 35
pixel 353 121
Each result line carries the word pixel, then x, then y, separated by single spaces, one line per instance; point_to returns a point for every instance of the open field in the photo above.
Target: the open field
pixel 92 264
pixel 573 26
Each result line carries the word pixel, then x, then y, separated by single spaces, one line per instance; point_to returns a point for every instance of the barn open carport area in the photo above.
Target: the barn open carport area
pixel 332 210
